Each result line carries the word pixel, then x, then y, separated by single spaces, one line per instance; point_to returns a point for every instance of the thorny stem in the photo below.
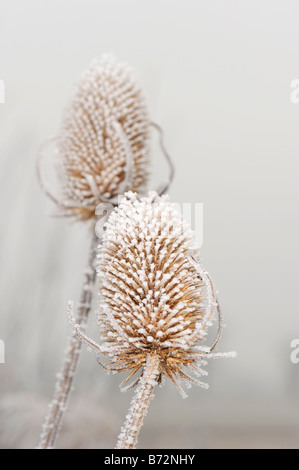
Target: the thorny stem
pixel 164 186
pixel 139 404
pixel 65 378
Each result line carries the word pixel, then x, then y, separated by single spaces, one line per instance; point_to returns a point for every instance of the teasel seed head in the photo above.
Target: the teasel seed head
pixel 155 299
pixel 103 146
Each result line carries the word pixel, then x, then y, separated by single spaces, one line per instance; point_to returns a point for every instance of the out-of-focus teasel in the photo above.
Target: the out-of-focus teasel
pixel 156 302
pixel 101 151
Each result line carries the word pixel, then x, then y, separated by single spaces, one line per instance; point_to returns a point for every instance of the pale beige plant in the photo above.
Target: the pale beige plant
pixel 102 151
pixel 156 303
pixel 103 147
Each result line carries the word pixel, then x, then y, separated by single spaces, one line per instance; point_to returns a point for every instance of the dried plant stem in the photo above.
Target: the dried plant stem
pixel 65 378
pixel 140 402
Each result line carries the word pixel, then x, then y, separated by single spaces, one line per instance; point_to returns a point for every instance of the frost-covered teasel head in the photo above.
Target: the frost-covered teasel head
pixel 156 303
pixel 103 146
pixel 155 298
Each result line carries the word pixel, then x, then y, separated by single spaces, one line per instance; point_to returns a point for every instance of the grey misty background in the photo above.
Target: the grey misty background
pixel 217 77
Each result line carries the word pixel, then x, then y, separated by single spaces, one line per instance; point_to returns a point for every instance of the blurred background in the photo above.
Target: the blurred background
pixel 218 80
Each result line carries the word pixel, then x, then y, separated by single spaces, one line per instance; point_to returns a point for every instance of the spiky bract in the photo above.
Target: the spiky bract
pixel 152 298
pixel 103 147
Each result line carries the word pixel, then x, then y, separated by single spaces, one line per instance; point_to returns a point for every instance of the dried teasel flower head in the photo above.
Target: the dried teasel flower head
pixel 155 298
pixel 156 303
pixel 103 147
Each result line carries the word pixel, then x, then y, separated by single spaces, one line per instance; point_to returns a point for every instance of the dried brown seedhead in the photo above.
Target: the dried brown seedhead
pixel 103 146
pixel 155 299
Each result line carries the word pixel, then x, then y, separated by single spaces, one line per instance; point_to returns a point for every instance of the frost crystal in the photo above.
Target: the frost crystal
pixel 155 298
pixel 103 147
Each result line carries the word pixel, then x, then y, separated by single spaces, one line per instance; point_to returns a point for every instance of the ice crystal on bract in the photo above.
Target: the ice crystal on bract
pixel 156 303
pixel 103 147
pixel 155 299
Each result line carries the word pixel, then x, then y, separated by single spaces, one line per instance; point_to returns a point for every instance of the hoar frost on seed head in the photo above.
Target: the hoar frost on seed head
pixel 154 296
pixel 105 130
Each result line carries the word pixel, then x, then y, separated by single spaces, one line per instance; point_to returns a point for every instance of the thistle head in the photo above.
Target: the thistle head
pixel 154 296
pixel 103 145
